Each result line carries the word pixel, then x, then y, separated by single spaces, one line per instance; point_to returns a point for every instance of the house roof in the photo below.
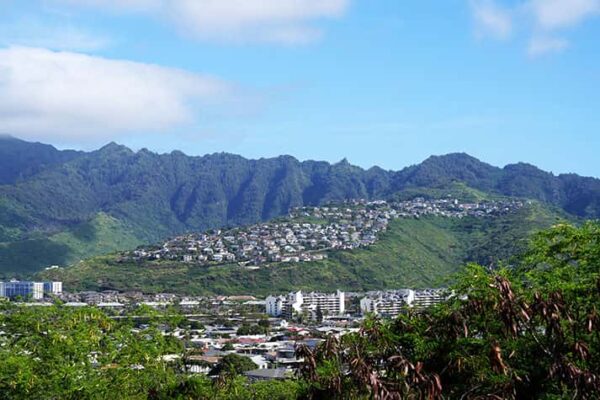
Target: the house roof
pixel 276 373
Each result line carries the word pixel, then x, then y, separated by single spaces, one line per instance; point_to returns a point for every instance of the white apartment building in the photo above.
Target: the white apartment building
pixel 53 288
pixel 429 297
pixel 388 303
pixel 391 302
pixel 274 305
pixel 298 303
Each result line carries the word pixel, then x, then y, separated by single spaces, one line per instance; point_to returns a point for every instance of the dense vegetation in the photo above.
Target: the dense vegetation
pixel 148 196
pixel 412 253
pixel 528 332
pixel 65 353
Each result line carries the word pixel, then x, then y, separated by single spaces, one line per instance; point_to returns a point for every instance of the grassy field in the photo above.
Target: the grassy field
pixel 412 253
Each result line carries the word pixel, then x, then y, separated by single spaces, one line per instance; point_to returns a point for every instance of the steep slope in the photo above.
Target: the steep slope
pixel 154 196
pixel 20 159
pixel 102 234
pixel 412 253
pixel 440 171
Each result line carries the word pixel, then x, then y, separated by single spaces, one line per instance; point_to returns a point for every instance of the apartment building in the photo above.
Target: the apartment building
pixel 28 289
pixel 296 303
pixel 390 303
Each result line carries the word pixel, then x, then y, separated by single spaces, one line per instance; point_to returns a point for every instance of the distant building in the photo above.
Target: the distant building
pixel 28 289
pixel 298 303
pixel 53 288
pixel 390 303
pixel 274 305
pixel 430 297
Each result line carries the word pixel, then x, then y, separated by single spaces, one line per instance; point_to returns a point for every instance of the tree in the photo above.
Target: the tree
pixel 524 332
pixel 246 329
pixel 319 315
pixel 233 364
pixel 264 323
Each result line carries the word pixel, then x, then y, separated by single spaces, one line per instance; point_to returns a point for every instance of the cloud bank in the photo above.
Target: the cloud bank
pixel 74 96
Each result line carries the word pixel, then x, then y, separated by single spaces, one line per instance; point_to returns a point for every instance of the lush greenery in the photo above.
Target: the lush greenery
pixel 412 253
pixel 102 234
pixel 64 353
pixel 526 332
pixel 233 364
pixel 45 192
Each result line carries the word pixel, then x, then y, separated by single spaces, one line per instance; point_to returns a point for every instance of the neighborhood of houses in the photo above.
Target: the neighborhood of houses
pixel 265 331
pixel 309 232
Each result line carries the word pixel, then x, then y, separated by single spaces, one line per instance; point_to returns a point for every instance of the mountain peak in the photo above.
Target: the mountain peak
pixel 453 157
pixel 113 147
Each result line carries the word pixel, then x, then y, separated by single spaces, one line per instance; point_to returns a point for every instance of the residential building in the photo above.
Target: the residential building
pixel 274 305
pixel 389 303
pixel 429 297
pixel 25 289
pixel 54 288
pixel 298 303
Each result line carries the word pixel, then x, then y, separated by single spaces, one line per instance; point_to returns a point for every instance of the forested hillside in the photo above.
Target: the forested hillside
pixel 414 253
pixel 65 205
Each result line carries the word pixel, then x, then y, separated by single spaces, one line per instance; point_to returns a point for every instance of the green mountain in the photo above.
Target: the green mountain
pixel 20 160
pixel 411 253
pixel 57 207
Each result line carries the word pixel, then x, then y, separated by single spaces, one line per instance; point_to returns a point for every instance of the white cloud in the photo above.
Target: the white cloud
pixel 491 19
pixel 118 5
pixel 542 45
pixel 557 14
pixel 543 20
pixel 276 21
pixel 34 33
pixel 68 95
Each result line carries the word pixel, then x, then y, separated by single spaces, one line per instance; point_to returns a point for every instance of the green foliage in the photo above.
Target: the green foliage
pixel 101 235
pixel 57 352
pixel 412 253
pixel 228 347
pixel 247 329
pixel 529 332
pixel 526 332
pixel 66 353
pixel 233 364
pixel 52 200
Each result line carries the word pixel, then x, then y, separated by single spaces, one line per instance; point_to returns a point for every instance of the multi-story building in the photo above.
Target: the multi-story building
pixel 298 303
pixel 53 288
pixel 28 289
pixel 274 305
pixel 429 297
pixel 389 303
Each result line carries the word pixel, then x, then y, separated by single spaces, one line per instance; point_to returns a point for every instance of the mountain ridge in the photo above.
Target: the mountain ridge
pixel 151 196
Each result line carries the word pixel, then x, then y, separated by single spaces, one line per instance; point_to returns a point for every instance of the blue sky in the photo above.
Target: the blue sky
pixel 379 82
